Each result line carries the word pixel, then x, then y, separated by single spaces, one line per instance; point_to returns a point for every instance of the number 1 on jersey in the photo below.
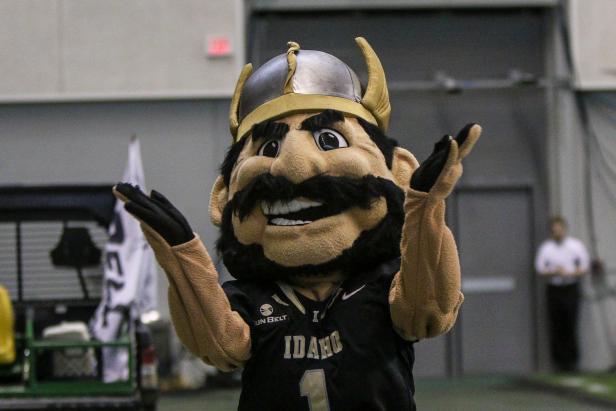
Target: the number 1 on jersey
pixel 312 385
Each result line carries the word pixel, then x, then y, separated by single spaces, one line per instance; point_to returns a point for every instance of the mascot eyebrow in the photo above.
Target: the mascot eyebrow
pixel 271 129
pixel 324 119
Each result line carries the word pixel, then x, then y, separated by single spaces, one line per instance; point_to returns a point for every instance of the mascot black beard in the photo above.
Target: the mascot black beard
pixel 335 235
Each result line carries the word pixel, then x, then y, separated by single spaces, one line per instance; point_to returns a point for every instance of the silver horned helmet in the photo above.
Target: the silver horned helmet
pixel 308 80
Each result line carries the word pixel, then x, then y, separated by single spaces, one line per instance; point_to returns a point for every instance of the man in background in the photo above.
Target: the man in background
pixel 563 260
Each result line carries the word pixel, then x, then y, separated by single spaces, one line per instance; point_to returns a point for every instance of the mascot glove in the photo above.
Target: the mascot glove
pixel 155 211
pixel 438 174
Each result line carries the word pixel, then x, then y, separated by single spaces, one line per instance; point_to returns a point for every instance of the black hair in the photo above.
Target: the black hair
pixel 230 159
pixel 558 219
pixel 384 143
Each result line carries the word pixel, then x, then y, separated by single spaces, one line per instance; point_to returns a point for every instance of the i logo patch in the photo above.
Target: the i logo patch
pixel 266 310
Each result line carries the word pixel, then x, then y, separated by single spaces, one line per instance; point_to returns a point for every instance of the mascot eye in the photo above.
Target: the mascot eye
pixel 328 139
pixel 270 148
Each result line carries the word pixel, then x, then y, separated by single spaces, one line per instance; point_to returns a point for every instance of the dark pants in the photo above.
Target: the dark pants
pixel 563 302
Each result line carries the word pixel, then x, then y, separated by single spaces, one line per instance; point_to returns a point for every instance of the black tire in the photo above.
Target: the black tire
pixel 149 400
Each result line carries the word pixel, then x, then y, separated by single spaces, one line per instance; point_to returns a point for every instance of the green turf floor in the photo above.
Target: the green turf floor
pixel 472 394
pixel 601 386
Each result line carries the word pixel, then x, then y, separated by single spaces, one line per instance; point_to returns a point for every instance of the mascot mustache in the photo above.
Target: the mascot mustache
pixel 335 193
pixel 381 243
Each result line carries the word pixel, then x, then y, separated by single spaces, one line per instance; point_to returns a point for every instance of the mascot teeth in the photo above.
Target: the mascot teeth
pixel 284 221
pixel 280 208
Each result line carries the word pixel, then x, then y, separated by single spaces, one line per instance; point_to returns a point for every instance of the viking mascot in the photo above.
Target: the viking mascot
pixel 335 235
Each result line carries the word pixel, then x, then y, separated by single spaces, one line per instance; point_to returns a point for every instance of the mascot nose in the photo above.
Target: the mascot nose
pixel 299 158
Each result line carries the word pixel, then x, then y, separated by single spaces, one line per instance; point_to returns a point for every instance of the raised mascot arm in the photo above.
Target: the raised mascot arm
pixel 425 295
pixel 199 308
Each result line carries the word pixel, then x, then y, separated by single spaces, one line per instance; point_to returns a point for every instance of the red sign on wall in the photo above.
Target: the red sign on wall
pixel 218 46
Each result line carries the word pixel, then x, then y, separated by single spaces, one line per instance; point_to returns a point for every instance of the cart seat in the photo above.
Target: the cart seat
pixel 71 362
pixel 7 332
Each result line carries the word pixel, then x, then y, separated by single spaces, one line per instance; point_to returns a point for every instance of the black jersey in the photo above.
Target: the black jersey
pixel 338 354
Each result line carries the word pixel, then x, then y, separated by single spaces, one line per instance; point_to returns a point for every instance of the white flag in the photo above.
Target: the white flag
pixel 129 283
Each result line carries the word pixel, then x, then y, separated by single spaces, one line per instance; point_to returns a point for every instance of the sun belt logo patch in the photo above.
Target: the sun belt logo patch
pixel 266 310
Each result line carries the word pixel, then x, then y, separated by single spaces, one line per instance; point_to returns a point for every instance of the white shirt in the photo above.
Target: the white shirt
pixel 570 255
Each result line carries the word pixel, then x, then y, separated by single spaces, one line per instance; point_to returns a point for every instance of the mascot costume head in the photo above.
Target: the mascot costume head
pixel 311 185
pixel 336 237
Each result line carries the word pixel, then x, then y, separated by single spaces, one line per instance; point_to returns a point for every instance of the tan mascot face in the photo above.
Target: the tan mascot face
pixel 310 194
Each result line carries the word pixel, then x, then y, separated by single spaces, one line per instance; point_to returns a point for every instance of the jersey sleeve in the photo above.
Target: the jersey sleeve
pixel 238 299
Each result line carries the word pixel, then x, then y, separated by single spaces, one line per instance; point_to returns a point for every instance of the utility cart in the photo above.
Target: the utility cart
pixel 51 239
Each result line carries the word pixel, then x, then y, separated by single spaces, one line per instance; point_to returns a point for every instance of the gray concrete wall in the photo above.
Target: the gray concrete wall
pixel 95 50
pixel 182 146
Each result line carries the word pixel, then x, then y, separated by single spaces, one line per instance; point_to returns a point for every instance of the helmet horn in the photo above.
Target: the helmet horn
pixel 376 97
pixel 234 122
